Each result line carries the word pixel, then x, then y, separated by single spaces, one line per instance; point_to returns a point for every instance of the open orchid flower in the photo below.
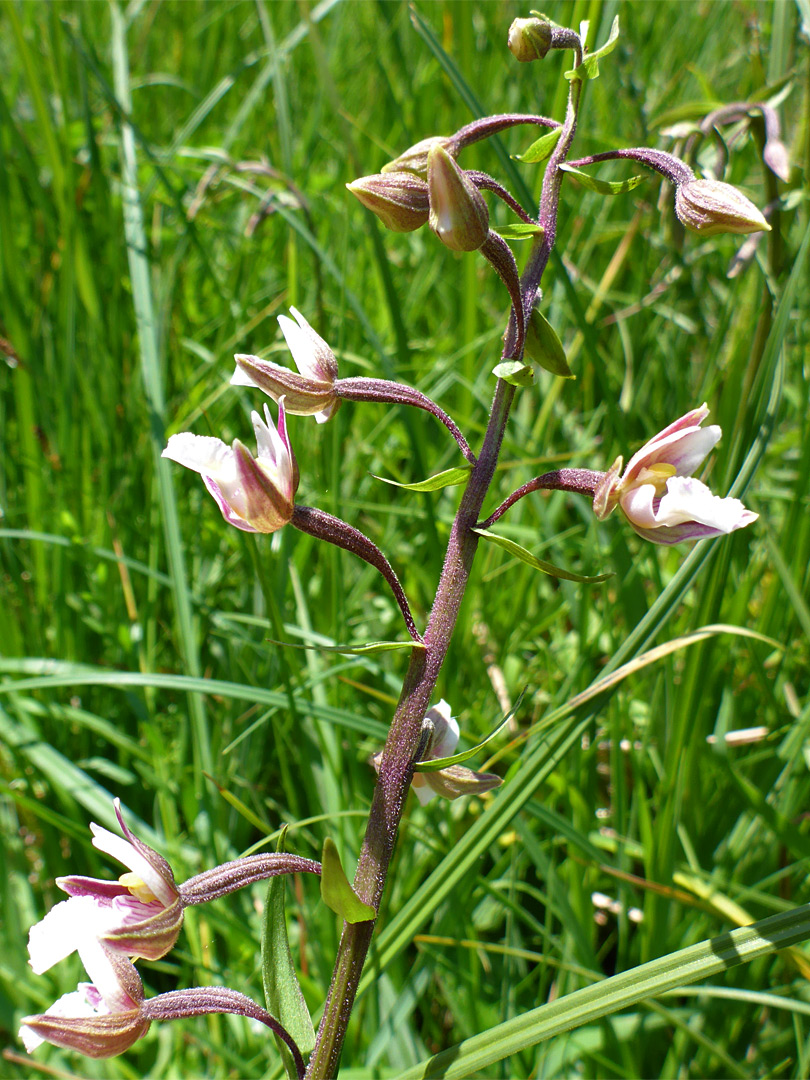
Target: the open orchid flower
pixel 254 494
pixel 659 496
pixel 310 393
pixel 101 1018
pixel 140 914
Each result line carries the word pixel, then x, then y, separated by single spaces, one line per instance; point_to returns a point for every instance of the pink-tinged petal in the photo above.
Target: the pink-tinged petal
pixel 113 976
pixel 263 503
pixel 125 852
pixel 422 788
pixel 76 885
pixel 687 452
pixel 73 1005
pixel 65 926
pixel 689 422
pixel 203 454
pixel 226 510
pixel 638 506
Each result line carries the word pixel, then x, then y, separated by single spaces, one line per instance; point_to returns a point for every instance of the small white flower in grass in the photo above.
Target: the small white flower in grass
pixel 254 494
pixel 310 393
pixel 658 495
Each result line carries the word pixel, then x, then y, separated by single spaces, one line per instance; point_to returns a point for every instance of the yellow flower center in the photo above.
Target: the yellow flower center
pixel 140 891
pixel 657 475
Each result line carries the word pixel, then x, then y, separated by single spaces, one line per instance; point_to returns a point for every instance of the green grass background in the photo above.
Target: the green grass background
pixel 172 178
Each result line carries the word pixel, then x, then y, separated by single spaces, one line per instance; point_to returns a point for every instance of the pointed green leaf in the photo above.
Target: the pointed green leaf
pixel 353 650
pixel 281 989
pixel 441 763
pixel 448 478
pixel 540 149
pixel 521 230
pixel 539 564
pixel 514 372
pixel 336 891
pixel 603 187
pixel 544 347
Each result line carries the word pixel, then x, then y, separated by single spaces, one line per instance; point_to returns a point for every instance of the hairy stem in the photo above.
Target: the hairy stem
pixel 326 527
pixel 363 389
pixel 582 481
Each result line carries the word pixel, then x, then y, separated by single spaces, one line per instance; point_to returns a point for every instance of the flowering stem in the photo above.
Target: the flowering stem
pixel 326 527
pixel 362 389
pixel 582 481
pixel 402 744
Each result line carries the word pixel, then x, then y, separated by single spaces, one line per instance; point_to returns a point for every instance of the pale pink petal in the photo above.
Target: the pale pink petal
pixel 689 421
pixel 125 853
pixel 105 979
pixel 227 511
pixel 638 506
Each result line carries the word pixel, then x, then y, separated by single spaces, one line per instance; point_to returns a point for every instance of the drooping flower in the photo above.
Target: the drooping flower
pixel 452 781
pixel 658 494
pixel 100 1018
pixel 310 393
pixel 254 494
pixel 140 915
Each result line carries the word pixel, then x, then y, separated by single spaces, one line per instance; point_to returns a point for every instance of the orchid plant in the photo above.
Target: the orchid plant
pixel 111 924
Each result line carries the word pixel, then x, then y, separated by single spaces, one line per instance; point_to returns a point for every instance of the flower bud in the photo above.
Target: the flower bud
pixel 399 199
pixel 529 39
pixel 458 213
pixel 709 207
pixel 415 158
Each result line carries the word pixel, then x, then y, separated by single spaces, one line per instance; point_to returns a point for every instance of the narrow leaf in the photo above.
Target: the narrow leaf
pixel 352 650
pixel 281 988
pixel 514 372
pixel 539 564
pixel 448 478
pixel 541 148
pixel 465 755
pixel 520 230
pixel 336 891
pixel 603 187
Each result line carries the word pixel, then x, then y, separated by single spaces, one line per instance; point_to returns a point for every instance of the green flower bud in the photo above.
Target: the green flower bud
pixel 529 39
pixel 458 213
pixel 399 199
pixel 709 207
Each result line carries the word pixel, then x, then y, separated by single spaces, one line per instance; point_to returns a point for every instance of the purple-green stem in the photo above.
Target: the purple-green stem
pixel 581 481
pixel 396 767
